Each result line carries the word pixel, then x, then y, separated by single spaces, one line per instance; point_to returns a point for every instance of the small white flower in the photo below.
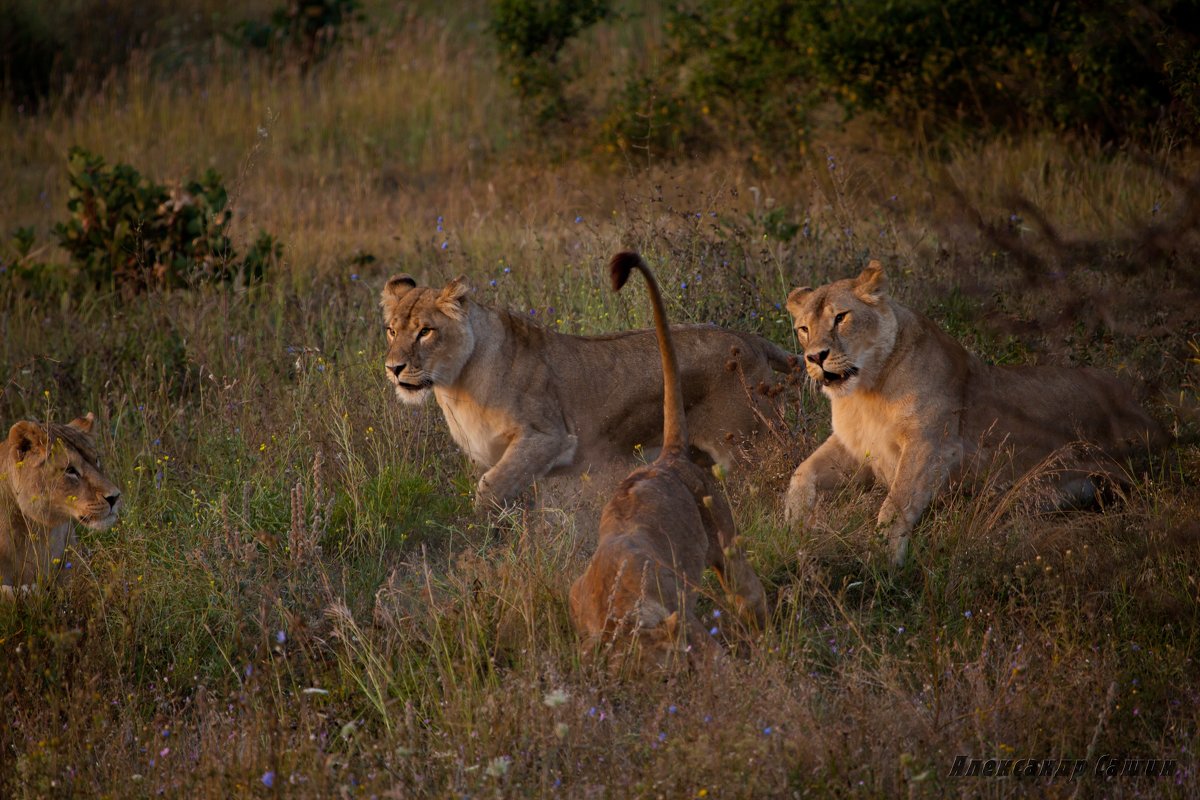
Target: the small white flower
pixel 498 766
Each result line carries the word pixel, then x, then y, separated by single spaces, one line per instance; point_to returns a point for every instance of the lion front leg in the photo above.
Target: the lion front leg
pixel 921 473
pixel 828 467
pixel 528 457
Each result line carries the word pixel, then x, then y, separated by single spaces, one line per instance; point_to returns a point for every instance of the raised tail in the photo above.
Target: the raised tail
pixel 675 436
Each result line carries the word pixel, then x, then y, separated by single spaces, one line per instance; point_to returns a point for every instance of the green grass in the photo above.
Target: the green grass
pixel 298 584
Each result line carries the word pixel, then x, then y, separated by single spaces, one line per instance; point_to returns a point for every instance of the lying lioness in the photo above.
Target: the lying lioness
pixel 49 477
pixel 920 411
pixel 523 401
pixel 667 522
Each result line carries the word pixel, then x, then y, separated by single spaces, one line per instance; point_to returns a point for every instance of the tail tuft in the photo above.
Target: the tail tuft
pixel 621 265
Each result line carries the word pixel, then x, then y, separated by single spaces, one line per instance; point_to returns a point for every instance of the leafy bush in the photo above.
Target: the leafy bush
pixel 650 116
pixel 1107 67
pixel 309 28
pixel 127 230
pixel 531 35
pixel 743 66
pixel 21 268
pixel 28 52
pixel 48 48
pixel 63 47
pixel 1099 67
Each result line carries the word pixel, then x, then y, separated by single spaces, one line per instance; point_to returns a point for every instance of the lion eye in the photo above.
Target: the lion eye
pixel 421 334
pixel 803 329
pixel 838 319
pixel 72 472
pixel 391 332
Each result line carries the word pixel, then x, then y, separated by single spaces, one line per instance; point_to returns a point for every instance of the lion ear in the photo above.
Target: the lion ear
pixel 26 439
pixel 871 283
pixel 83 423
pixel 796 296
pixel 452 300
pixel 396 287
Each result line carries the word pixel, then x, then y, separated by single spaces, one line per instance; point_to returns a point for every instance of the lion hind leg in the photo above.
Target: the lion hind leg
pixel 742 587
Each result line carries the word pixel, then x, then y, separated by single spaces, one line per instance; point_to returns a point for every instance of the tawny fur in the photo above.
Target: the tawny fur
pixel 50 478
pixel 914 410
pixel 666 524
pixel 522 401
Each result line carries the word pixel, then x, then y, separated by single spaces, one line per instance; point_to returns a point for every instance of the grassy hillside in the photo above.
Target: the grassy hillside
pixel 298 597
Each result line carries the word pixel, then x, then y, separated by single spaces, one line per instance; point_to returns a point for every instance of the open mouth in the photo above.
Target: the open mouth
pixel 834 378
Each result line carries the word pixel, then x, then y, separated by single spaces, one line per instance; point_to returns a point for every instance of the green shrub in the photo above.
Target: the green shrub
pixel 1107 68
pixel 22 269
pixel 650 117
pixel 128 231
pixel 72 45
pixel 1100 67
pixel 308 29
pixel 743 66
pixel 29 51
pixel 48 49
pixel 531 35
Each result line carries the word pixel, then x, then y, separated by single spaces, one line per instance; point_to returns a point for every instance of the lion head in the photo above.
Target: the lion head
pixel 847 330
pixel 429 335
pixel 54 474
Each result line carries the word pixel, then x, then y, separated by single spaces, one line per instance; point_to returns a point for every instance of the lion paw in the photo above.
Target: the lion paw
pixel 797 505
pixel 899 546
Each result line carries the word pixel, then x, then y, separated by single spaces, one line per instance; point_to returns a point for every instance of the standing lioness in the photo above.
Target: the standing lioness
pixel 523 401
pixel 919 410
pixel 49 478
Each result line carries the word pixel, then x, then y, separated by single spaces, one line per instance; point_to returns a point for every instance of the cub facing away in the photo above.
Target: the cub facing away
pixel 522 401
pixel 916 409
pixel 50 478
pixel 667 523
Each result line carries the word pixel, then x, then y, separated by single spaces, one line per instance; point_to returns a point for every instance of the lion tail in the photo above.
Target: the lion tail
pixel 675 436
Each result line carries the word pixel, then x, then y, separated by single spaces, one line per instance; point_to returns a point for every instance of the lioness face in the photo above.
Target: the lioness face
pixel 845 329
pixel 55 473
pixel 429 335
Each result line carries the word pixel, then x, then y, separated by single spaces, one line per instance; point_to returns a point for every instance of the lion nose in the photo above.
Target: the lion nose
pixel 817 358
pixel 112 500
pixel 396 369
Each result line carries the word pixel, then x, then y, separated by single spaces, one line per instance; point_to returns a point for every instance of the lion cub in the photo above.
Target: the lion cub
pixel 668 521
pixel 913 406
pixel 49 478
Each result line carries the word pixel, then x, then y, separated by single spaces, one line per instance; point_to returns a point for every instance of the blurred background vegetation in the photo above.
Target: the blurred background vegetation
pixel 1108 69
pixel 604 82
